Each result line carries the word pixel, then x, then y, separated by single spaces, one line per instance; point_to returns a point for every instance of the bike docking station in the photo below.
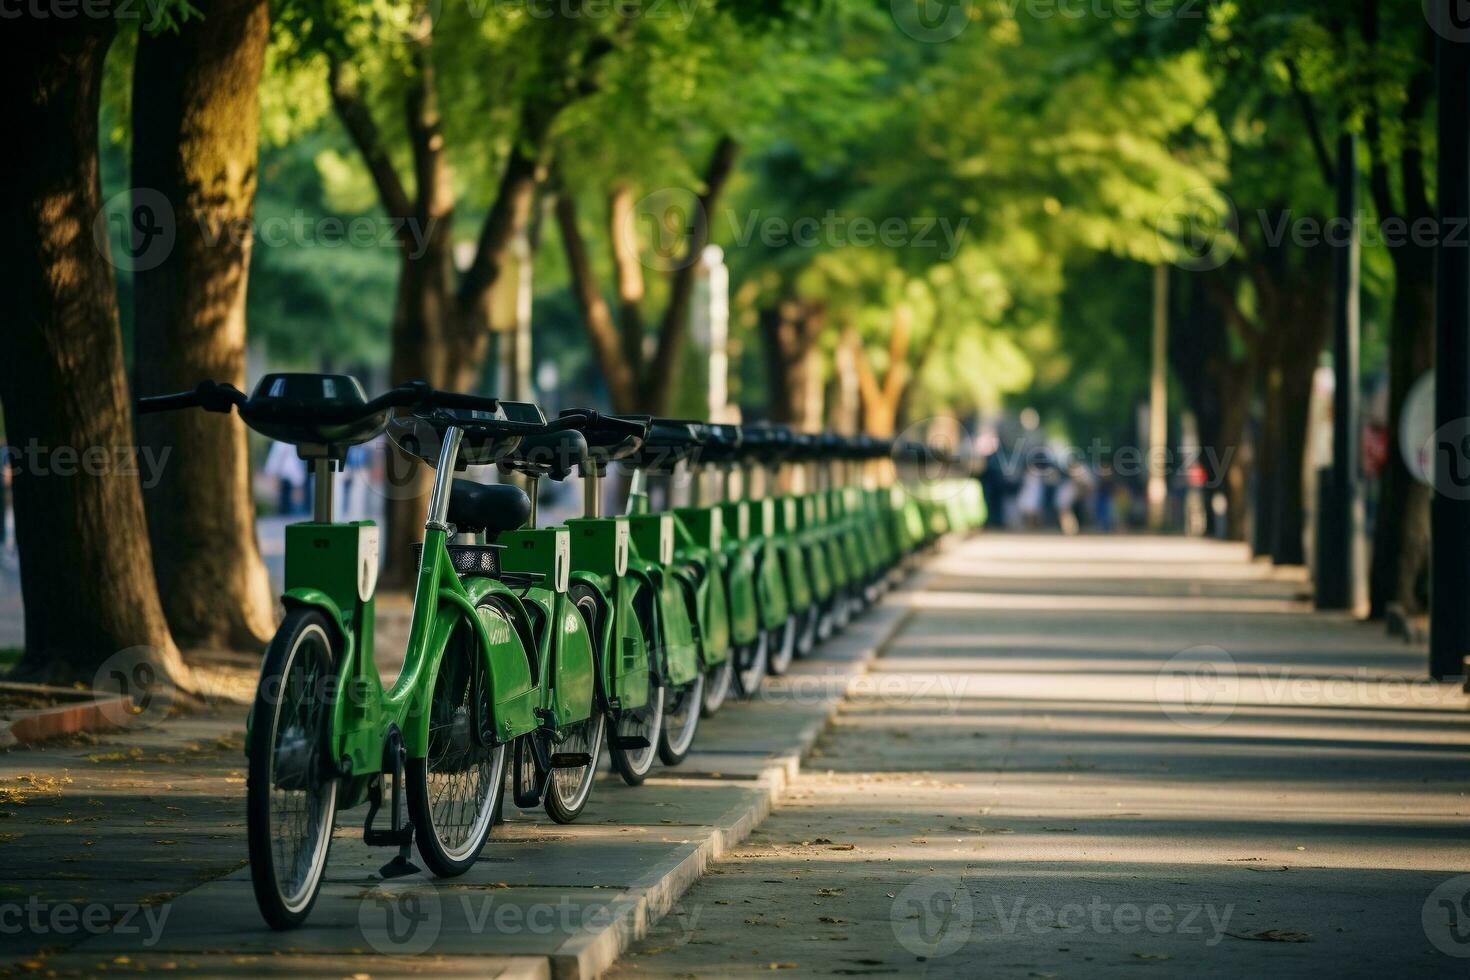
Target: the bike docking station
pixel 531 649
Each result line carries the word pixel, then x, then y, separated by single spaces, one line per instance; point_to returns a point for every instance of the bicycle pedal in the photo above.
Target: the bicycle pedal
pixel 630 743
pixel 399 867
pixel 570 760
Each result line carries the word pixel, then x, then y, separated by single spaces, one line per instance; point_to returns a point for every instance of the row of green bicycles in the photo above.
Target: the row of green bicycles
pixel 532 650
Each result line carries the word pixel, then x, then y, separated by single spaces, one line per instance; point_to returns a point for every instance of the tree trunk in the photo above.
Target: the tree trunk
pixel 789 332
pixel 81 529
pixel 195 146
pixel 419 351
pixel 1401 535
pixel 619 371
pixel 658 383
pixel 1297 369
pixel 1234 383
pixel 1264 508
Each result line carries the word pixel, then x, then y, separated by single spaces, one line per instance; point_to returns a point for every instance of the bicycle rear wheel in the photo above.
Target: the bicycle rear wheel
pixel 718 682
pixel 782 647
pixel 291 789
pixel 454 791
pixel 681 720
pixel 750 664
pixel 569 788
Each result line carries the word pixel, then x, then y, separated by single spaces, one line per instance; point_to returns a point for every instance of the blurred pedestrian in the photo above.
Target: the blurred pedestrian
pixel 289 471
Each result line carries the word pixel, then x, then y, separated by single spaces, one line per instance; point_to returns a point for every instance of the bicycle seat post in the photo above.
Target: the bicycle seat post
pixel 444 480
pixel 321 472
pixel 591 490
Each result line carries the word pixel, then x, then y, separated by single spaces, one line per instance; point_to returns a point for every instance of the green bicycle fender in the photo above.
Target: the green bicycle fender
pixel 680 652
pixel 574 665
pixel 359 707
pixel 513 690
pixel 739 574
pixel 710 613
pixel 771 589
pixel 798 582
pixel 628 672
pixel 601 588
pixel 816 561
pixel 317 599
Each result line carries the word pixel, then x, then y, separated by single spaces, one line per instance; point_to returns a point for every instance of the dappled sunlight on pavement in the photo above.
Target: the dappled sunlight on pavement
pixel 1090 754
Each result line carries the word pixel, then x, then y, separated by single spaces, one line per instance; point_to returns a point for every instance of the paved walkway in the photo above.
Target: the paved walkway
pixel 1100 757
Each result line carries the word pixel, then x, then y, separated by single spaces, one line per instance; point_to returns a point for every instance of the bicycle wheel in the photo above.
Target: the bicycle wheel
pixel 633 744
pixel 569 789
pixel 750 664
pixel 454 791
pixel 291 789
pixel 681 720
pixel 718 681
pixel 782 647
pixel 806 635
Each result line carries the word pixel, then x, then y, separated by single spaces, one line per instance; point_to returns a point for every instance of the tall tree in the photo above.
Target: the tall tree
pixel 640 381
pixel 81 529
pixel 194 144
pixel 1394 131
pixel 441 323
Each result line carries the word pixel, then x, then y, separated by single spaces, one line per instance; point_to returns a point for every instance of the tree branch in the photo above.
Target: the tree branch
pixel 1314 129
pixel 601 331
pixel 676 314
pixel 347 100
pixel 426 130
pixel 623 234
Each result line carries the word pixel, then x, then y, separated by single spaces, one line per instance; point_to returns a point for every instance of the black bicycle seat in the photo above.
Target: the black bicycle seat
pixel 488 507
pixel 553 454
pixel 313 410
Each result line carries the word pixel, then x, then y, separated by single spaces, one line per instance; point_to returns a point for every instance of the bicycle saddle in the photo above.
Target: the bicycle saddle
pixel 313 410
pixel 488 507
pixel 553 454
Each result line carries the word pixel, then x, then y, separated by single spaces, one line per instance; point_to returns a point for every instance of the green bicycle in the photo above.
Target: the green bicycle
pixel 488 671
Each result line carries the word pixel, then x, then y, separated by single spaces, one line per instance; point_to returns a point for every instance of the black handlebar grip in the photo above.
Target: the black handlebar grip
pixel 208 395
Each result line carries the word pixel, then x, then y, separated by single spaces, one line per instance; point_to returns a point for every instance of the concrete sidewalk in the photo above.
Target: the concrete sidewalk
pixel 126 853
pixel 1106 756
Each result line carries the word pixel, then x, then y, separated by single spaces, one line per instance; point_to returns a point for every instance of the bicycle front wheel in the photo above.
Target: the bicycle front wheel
pixel 454 791
pixel 291 789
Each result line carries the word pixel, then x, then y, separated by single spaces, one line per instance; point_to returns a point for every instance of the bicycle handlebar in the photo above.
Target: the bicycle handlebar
pixel 215 396
pixel 208 395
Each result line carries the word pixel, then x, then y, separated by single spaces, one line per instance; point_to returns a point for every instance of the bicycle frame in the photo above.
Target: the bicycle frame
pixel 677 659
pixel 332 567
